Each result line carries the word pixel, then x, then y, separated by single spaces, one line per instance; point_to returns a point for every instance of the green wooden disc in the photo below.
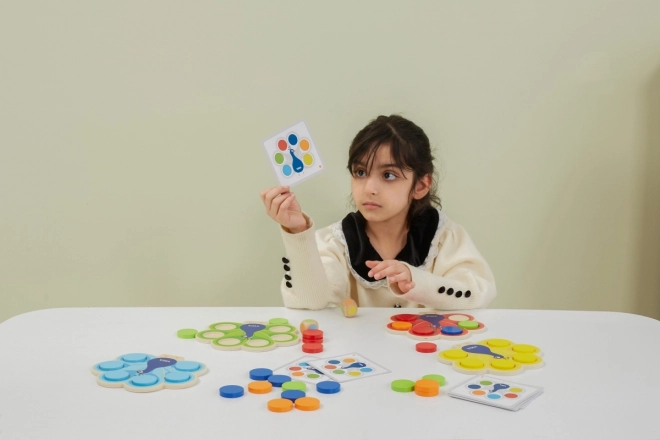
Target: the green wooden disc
pixel 436 377
pixel 187 333
pixel 403 385
pixel 276 321
pixel 294 385
pixel 469 325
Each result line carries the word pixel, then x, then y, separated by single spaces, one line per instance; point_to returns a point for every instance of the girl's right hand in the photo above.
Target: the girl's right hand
pixel 281 205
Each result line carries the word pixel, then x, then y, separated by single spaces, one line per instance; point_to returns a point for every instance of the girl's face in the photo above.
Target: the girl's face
pixel 382 193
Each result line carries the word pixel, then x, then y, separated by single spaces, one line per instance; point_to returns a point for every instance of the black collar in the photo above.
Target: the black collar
pixel 422 230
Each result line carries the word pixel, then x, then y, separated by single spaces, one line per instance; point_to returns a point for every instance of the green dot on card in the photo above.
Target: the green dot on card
pixel 187 333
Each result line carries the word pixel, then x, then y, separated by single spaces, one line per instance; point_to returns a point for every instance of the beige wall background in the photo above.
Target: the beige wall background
pixel 131 133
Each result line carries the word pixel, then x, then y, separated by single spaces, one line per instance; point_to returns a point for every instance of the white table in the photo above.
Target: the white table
pixel 601 378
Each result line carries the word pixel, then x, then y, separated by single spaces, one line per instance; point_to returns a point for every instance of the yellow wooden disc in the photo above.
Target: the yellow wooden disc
pixel 524 348
pixel 503 364
pixel 280 405
pixel 260 387
pixel 454 354
pixel 472 363
pixel 499 343
pixel 400 325
pixel 525 358
pixel 308 403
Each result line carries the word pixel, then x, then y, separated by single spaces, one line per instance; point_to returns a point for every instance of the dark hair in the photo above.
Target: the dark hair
pixel 410 150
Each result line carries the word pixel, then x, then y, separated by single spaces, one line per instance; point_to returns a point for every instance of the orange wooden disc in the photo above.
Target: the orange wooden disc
pixel 280 405
pixel 427 394
pixel 401 325
pixel 260 387
pixel 427 386
pixel 308 403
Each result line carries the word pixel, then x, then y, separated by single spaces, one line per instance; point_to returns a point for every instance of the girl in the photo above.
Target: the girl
pixel 397 250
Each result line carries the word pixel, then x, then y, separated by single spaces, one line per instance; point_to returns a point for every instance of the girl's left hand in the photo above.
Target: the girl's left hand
pixel 394 270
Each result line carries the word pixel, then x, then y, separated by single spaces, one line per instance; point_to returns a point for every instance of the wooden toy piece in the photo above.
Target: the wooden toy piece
pixel 249 336
pixel 328 387
pixel 430 326
pixel 144 373
pixel 312 336
pixel 495 356
pixel 231 391
pixel 280 405
pixel 426 347
pixel 260 387
pixel 312 347
pixel 308 403
pixel 427 388
pixel 260 373
pixel 436 377
pixel 349 308
pixel 403 385
pixel 308 324
pixel 277 380
pixel 294 385
pixel 187 333
pixel 293 395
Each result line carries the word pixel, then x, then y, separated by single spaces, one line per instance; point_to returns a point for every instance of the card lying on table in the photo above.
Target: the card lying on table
pixel 495 391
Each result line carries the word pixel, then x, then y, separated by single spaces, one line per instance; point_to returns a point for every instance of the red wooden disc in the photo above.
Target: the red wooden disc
pixel 313 334
pixel 406 317
pixel 423 330
pixel 426 347
pixel 311 347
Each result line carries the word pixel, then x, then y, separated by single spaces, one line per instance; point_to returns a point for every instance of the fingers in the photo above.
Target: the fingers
pixel 268 195
pixel 275 207
pixel 385 268
pixel 287 202
pixel 406 287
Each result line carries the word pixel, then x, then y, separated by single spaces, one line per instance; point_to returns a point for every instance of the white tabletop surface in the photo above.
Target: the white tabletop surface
pixel 601 378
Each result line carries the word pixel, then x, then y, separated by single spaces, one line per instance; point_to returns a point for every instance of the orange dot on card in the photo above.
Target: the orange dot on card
pixel 280 405
pixel 260 387
pixel 297 373
pixel 304 144
pixel 401 325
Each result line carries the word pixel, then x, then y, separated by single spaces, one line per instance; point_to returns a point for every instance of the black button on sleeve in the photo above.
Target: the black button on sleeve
pixel 468 294
pixel 450 291
pixel 289 285
pixel 286 267
pixel 459 294
pixel 285 260
pixel 441 290
pixel 287 277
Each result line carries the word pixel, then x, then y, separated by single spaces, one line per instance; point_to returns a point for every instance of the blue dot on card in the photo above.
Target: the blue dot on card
pixel 366 370
pixel 111 365
pixel 178 377
pixel 494 396
pixel 116 376
pixel 293 139
pixel 474 387
pixel 287 170
pixel 334 362
pixel 304 364
pixel 145 380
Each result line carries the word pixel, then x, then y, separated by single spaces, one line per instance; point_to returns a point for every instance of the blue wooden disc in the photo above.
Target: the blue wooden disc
pixel 111 365
pixel 116 376
pixel 145 380
pixel 292 395
pixel 135 357
pixel 451 330
pixel 231 391
pixel 260 374
pixel 188 366
pixel 278 379
pixel 178 377
pixel 328 387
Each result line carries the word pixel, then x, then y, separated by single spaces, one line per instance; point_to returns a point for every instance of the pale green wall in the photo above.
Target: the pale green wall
pixel 131 133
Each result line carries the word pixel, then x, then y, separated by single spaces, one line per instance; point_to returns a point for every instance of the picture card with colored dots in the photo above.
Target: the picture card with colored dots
pixel 301 370
pixel 493 391
pixel 348 367
pixel 293 155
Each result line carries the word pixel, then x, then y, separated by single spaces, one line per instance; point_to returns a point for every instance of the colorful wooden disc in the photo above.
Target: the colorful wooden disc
pixel 426 347
pixel 308 403
pixel 294 385
pixel 403 385
pixel 260 387
pixel 187 333
pixel 280 405
pixel 312 347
